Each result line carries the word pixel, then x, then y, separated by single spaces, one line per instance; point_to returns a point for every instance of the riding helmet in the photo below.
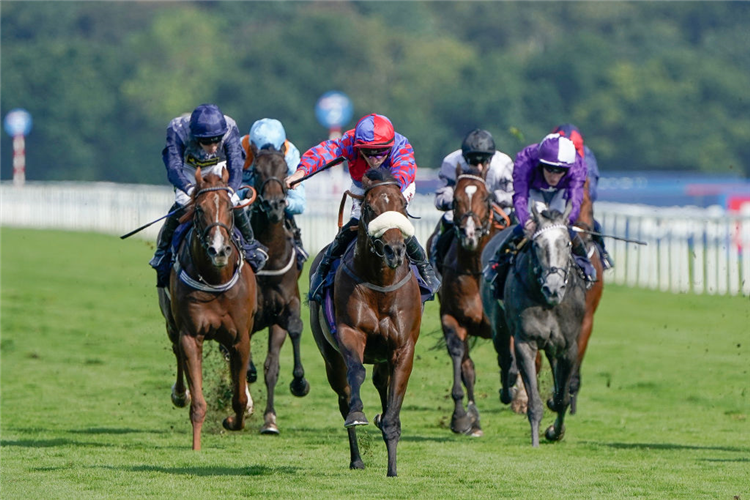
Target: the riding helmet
pixel 207 120
pixel 478 142
pixel 557 151
pixel 268 132
pixel 374 132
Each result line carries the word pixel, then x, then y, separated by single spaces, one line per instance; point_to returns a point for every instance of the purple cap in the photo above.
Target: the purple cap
pixel 558 151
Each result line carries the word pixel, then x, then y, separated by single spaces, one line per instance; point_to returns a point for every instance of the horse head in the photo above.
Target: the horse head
pixel 212 216
pixel 551 252
pixel 270 170
pixel 384 219
pixel 472 207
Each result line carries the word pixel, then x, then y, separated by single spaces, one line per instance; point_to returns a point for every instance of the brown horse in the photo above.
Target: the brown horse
pixel 278 291
pixel 378 313
pixel 211 296
pixel 461 312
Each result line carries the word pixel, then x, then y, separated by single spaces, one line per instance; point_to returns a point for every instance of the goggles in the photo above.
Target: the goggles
pixel 478 158
pixel 375 154
pixel 552 169
pixel 210 140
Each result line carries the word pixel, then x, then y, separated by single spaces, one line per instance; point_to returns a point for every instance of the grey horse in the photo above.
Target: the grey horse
pixel 544 307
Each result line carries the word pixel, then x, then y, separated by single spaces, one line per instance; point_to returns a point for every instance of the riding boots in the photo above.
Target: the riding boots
pixel 159 261
pixel 255 253
pixel 499 265
pixel 418 257
pixel 581 257
pixel 442 242
pixel 335 250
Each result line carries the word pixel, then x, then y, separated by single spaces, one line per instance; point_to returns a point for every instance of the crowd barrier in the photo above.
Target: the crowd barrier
pixel 688 249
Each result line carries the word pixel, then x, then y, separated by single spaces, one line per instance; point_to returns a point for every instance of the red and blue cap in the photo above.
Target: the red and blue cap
pixel 571 132
pixel 374 132
pixel 557 151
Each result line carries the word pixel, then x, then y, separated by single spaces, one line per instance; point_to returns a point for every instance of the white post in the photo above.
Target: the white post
pixel 664 248
pixel 634 231
pixel 699 230
pixel 721 264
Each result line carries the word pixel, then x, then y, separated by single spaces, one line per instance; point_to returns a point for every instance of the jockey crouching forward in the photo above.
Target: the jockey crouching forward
pixel 553 173
pixel 269 133
pixel 210 140
pixel 371 144
pixel 477 149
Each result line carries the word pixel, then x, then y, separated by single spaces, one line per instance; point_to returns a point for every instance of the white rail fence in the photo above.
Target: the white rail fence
pixel 689 249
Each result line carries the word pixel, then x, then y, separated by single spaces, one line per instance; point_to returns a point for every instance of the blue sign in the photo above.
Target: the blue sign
pixel 333 109
pixel 18 122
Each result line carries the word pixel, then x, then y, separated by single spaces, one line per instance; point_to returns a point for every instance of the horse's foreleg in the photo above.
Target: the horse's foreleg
pixel 180 393
pixel 336 372
pixel 352 351
pixel 563 370
pixel 239 354
pixel 191 349
pixel 401 364
pixel 299 385
pixel 460 421
pixel 526 356
pixel 276 337
pixel 468 376
pixel 503 343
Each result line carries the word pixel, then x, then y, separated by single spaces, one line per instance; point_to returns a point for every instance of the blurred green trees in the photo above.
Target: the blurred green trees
pixel 651 85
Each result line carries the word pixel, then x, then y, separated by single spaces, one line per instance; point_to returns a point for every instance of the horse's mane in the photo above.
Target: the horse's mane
pixel 269 150
pixel 376 175
pixel 471 170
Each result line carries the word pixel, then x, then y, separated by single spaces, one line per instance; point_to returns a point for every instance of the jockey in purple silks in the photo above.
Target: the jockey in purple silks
pixel 210 140
pixel 550 172
pixel 373 143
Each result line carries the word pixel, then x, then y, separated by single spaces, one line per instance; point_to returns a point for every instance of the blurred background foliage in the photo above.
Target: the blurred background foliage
pixel 652 85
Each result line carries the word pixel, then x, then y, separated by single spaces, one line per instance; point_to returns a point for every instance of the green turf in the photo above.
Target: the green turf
pixel 87 370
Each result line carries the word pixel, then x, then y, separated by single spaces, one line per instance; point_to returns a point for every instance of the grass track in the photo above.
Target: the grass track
pixel 87 368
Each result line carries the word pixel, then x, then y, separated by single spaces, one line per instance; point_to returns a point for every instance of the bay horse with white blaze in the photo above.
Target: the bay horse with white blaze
pixel 211 296
pixel 378 313
pixel 461 312
pixel 278 290
pixel 544 308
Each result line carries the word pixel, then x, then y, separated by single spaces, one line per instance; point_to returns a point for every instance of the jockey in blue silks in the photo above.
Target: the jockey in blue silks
pixel 210 140
pixel 553 173
pixel 373 143
pixel 268 133
pixel 592 168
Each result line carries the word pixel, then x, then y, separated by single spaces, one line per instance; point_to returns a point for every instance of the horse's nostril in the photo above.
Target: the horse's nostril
pixel 211 251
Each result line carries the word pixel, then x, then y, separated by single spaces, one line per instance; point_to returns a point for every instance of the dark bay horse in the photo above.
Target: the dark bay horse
pixel 544 308
pixel 378 313
pixel 461 312
pixel 211 296
pixel 278 291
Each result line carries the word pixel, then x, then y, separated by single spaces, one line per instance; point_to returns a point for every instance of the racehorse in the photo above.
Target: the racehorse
pixel 278 291
pixel 593 295
pixel 378 313
pixel 211 296
pixel 461 312
pixel 544 306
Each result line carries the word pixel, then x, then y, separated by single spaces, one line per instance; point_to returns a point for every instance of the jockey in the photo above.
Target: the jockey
pixel 553 173
pixel 210 140
pixel 269 133
pixel 477 149
pixel 371 144
pixel 571 131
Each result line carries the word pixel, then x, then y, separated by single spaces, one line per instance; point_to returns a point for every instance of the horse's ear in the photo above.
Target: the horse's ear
pixel 366 181
pixel 459 170
pixel 198 176
pixel 568 209
pixel 537 207
pixel 225 175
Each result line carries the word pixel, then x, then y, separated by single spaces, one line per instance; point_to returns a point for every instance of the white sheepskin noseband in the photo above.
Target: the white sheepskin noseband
pixel 390 220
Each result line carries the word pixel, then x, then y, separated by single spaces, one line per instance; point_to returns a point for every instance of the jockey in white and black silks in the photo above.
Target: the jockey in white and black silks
pixel 210 140
pixel 373 143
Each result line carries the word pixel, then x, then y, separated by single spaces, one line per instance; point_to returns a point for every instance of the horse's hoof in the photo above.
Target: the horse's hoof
pixel 551 435
pixel 299 387
pixel 378 420
pixel 461 425
pixel 231 424
pixel 355 418
pixel 476 432
pixel 270 428
pixel 519 406
pixel 551 405
pixel 505 397
pixel 357 465
pixel 181 401
pixel 252 373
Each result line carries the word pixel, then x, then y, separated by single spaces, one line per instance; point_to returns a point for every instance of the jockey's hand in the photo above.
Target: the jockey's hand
pixel 295 176
pixel 190 190
pixel 235 199
pixel 529 227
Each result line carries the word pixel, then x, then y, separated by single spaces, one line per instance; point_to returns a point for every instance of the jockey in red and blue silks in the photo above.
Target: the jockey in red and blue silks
pixel 592 175
pixel 210 140
pixel 373 143
pixel 553 173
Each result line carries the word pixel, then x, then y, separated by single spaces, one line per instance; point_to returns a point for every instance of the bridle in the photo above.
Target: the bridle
pixel 203 232
pixel 377 246
pixel 263 204
pixel 541 273
pixel 484 228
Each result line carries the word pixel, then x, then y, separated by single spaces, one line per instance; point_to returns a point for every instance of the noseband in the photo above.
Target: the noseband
pixel 484 229
pixel 263 203
pixel 544 274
